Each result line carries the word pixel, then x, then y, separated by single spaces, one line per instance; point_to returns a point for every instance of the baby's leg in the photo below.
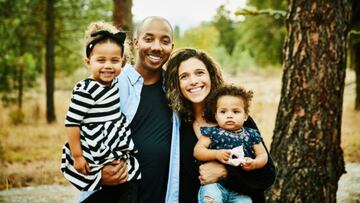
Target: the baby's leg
pixel 210 193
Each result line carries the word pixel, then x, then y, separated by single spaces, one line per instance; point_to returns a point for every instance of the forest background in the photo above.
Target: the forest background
pixel 42 58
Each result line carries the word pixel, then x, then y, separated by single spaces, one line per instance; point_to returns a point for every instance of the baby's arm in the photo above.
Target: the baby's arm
pixel 80 163
pixel 202 153
pixel 259 161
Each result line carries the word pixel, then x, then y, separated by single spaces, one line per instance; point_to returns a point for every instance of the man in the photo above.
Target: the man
pixel 143 101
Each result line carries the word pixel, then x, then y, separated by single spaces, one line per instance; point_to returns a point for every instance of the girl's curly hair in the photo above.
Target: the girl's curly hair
pixel 226 90
pixel 176 100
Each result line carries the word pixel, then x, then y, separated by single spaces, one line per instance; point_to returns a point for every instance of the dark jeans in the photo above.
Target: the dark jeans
pixel 123 193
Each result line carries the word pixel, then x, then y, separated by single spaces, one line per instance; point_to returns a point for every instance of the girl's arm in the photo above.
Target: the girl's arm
pixel 74 141
pixel 80 163
pixel 202 153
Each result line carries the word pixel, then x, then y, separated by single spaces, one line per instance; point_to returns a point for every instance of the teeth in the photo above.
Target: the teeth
pixel 154 58
pixel 195 89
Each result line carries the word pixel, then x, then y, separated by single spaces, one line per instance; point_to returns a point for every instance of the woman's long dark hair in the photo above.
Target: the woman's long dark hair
pixel 176 100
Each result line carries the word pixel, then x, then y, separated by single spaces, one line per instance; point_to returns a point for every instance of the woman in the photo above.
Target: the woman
pixel 191 76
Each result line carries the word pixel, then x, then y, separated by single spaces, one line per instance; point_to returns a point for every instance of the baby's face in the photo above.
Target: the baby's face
pixel 230 113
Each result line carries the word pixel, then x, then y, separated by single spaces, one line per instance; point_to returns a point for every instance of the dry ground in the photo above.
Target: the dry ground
pixel 30 152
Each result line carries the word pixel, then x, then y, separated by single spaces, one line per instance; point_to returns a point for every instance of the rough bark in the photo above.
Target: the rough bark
pixel 50 62
pixel 306 142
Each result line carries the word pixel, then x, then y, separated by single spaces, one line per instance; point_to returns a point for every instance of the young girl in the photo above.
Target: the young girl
pixel 98 132
pixel 229 142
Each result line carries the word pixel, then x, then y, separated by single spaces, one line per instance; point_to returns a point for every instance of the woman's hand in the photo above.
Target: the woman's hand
pixel 211 172
pixel 114 173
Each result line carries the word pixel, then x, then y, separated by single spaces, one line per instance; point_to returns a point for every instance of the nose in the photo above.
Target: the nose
pixel 108 65
pixel 156 45
pixel 193 80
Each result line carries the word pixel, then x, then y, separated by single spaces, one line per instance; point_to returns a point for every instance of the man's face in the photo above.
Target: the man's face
pixel 154 44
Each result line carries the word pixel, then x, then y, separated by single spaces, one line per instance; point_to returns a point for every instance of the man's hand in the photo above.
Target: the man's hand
pixel 211 172
pixel 114 173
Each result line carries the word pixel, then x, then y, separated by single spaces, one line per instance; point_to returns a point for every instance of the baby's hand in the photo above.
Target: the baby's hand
pixel 223 155
pixel 248 164
pixel 81 165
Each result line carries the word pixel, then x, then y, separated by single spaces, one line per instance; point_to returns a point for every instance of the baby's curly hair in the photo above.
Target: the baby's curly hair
pixel 226 90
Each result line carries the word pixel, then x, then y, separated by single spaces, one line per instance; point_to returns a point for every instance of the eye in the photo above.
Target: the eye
pixel 200 72
pixel 183 77
pixel 222 111
pixel 166 41
pixel 100 60
pixel 147 39
pixel 236 111
pixel 115 60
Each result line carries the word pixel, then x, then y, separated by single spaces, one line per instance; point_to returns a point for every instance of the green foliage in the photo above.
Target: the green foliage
pixel 262 37
pixel 23 33
pixel 204 37
pixel 262 33
pixel 226 28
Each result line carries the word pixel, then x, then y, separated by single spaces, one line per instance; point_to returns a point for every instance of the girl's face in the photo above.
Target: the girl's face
pixel 194 79
pixel 230 113
pixel 105 62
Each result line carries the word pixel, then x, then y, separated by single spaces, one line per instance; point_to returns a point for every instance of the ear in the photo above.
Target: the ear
pixel 87 61
pixel 246 117
pixel 136 42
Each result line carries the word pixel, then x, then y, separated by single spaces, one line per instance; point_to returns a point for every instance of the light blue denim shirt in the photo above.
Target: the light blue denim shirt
pixel 130 86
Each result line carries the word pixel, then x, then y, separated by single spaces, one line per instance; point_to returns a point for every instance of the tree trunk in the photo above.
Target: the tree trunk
pixel 306 142
pixel 355 52
pixel 122 15
pixel 50 62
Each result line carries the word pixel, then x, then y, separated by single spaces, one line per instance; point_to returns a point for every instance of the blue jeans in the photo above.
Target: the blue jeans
pixel 216 193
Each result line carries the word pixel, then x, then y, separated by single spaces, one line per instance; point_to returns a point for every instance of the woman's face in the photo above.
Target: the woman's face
pixel 194 78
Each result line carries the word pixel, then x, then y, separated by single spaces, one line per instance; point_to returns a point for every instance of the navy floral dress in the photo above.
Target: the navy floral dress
pixel 224 139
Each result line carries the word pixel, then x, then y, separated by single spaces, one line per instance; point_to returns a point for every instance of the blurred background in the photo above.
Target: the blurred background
pixel 42 50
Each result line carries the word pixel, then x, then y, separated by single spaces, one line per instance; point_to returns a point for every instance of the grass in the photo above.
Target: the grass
pixel 30 152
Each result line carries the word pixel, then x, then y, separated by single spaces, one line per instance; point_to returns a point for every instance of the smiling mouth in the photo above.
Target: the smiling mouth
pixel 154 58
pixel 196 89
pixel 107 72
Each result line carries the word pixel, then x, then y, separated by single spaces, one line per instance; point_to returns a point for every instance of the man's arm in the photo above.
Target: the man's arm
pixel 114 173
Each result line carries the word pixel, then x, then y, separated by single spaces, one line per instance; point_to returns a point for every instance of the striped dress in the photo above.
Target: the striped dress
pixel 104 133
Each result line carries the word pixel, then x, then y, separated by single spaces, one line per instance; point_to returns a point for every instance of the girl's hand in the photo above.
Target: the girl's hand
pixel 81 165
pixel 248 164
pixel 223 155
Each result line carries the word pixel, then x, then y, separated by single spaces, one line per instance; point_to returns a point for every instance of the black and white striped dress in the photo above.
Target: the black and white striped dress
pixel 104 133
